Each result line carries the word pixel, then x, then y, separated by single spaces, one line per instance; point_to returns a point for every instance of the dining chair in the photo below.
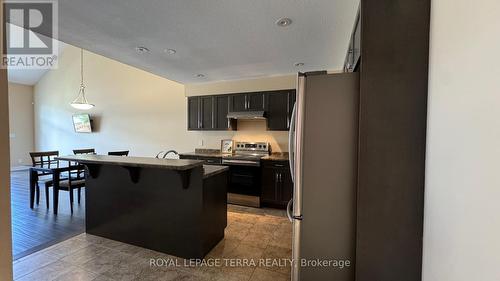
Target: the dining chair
pixel 78 175
pixel 84 151
pixel 44 159
pixel 118 153
pixel 76 180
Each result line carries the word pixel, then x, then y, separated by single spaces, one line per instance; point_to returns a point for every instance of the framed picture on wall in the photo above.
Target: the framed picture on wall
pixel 82 123
pixel 226 146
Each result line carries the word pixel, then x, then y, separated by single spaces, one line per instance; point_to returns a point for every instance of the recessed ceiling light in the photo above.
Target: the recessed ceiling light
pixel 170 51
pixel 200 75
pixel 142 50
pixel 298 64
pixel 284 22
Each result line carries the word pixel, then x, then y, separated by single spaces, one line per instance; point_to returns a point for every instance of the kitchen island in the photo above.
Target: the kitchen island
pixel 178 207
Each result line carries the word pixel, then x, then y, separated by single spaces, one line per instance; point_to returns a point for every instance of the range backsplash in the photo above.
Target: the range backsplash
pixel 249 131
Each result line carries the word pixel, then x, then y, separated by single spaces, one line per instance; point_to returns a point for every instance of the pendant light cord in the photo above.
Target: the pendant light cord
pixel 81 68
pixel 81 102
pixel 82 86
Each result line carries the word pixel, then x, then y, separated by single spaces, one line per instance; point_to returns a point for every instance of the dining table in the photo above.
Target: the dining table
pixel 55 173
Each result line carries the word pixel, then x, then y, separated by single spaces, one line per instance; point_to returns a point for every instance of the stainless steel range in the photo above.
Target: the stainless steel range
pixel 245 173
pixel 247 154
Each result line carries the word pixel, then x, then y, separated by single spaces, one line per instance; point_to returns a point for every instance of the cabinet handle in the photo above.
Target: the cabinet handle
pixel 276 186
pixel 280 189
pixel 288 110
pixel 213 114
pixel 200 112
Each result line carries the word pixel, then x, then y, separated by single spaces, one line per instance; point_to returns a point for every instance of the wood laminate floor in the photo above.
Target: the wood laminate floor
pixel 38 228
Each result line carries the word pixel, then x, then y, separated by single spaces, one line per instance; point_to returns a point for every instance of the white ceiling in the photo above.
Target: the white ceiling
pixel 222 39
pixel 25 76
pixel 30 76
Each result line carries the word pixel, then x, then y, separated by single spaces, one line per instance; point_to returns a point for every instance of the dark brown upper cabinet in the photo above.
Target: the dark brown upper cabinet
pixel 246 102
pixel 279 106
pixel 255 101
pixel 222 123
pixel 238 102
pixel 210 112
pixel 201 113
pixel 207 112
pixel 194 113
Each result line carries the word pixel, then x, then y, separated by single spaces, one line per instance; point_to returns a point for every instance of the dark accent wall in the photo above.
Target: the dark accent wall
pixel 393 116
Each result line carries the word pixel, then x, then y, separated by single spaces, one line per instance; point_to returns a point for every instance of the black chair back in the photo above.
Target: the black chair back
pixel 84 151
pixel 45 159
pixel 77 174
pixel 118 153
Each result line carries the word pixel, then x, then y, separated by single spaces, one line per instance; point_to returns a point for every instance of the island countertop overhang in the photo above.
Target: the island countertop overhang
pixel 139 162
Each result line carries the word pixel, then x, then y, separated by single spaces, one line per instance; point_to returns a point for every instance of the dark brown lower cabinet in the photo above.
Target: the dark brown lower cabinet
pixel 277 186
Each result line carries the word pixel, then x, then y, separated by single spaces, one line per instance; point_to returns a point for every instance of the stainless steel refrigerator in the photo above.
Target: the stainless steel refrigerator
pixel 323 159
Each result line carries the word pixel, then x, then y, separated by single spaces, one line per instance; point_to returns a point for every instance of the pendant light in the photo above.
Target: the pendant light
pixel 81 101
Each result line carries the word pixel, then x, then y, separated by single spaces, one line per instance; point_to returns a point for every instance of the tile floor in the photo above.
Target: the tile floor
pixel 253 236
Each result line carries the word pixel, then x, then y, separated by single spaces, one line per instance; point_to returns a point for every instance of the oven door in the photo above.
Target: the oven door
pixel 244 180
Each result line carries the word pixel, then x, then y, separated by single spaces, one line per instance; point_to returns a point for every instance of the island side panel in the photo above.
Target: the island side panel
pixel 214 219
pixel 146 207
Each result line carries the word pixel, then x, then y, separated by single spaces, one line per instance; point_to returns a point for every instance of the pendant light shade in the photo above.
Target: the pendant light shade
pixel 81 101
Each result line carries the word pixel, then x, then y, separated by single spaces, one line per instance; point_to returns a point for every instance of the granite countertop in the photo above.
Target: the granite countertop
pixel 204 153
pixel 277 156
pixel 212 170
pixel 171 164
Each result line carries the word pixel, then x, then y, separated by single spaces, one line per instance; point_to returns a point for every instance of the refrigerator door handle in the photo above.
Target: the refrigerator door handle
pixel 291 144
pixel 289 211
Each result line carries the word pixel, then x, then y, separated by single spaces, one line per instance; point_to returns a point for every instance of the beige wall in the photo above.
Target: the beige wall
pixel 134 110
pixel 462 209
pixel 5 226
pixel 21 122
pixel 240 86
